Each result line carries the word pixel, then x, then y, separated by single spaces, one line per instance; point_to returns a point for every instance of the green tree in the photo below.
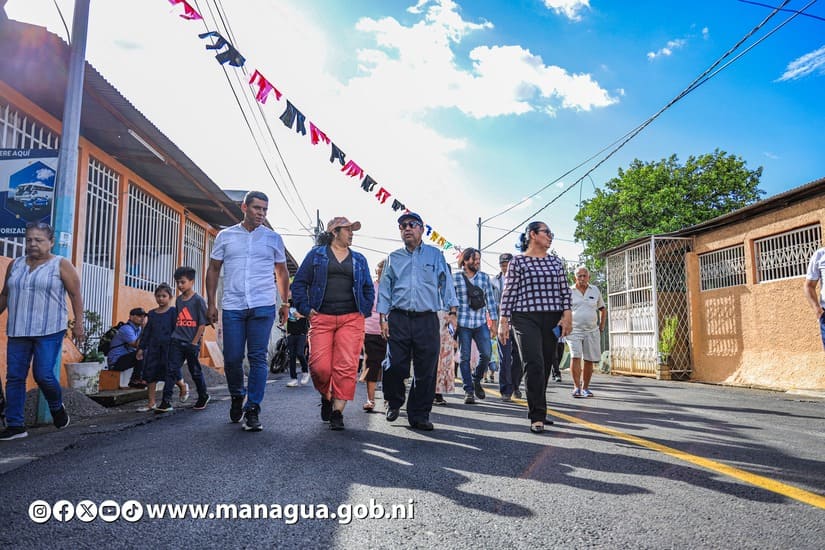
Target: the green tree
pixel 663 196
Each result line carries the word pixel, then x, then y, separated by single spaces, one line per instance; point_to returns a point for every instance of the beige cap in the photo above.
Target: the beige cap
pixel 341 221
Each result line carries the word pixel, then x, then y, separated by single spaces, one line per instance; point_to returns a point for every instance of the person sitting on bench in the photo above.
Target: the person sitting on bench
pixel 123 350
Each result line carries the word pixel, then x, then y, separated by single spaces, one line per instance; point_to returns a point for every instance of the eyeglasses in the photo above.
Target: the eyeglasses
pixel 546 231
pixel 411 225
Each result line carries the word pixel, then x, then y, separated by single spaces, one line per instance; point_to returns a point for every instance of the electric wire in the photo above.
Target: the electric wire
pixel 65 26
pixel 698 81
pixel 225 20
pixel 257 145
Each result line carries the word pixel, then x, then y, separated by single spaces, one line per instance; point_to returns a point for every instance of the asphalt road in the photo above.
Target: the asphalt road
pixel 644 464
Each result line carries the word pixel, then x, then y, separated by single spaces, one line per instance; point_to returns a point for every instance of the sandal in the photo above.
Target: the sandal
pixel 369 406
pixel 537 428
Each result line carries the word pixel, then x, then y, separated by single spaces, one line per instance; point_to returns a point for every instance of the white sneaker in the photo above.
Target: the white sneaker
pixel 292 383
pixel 305 379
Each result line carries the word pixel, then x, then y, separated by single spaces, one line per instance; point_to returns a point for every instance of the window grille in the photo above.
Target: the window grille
pixel 722 268
pixel 98 277
pixel 18 131
pixel 193 250
pixel 151 241
pixel 786 255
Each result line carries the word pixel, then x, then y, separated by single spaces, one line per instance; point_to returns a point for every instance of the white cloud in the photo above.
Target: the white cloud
pixel 705 33
pixel 44 174
pixel 667 50
pixel 805 65
pixel 569 8
pixel 772 156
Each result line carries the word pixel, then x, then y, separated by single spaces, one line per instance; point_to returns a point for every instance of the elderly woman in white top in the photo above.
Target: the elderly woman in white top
pixel 35 295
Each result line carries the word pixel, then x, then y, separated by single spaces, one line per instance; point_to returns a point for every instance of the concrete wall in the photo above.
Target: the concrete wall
pixel 758 335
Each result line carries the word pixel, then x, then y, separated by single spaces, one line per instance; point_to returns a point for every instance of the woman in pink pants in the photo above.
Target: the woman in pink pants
pixel 334 290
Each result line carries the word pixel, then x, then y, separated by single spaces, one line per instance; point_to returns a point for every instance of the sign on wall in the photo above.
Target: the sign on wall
pixel 26 188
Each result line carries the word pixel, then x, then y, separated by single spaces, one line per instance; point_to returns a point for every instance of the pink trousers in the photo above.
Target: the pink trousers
pixel 334 346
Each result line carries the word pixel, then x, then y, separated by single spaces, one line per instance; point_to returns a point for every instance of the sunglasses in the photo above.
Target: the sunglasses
pixel 546 232
pixel 411 225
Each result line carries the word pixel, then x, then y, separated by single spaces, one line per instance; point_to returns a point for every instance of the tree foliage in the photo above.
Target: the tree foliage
pixel 664 196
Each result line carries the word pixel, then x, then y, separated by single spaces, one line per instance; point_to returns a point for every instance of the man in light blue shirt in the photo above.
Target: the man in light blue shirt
pixel 253 258
pixel 415 284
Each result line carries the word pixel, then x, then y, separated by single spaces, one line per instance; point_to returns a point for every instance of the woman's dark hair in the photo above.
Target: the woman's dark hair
pixel 326 237
pixel 524 238
pixel 41 226
pixel 163 287
pixel 466 255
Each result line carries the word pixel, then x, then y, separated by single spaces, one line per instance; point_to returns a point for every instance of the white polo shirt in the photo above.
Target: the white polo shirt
pixel 585 308
pixel 816 272
pixel 249 259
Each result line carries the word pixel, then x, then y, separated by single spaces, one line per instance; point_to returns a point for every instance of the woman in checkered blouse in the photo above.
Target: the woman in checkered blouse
pixel 535 298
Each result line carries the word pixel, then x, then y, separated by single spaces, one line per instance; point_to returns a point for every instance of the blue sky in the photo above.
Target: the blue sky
pixel 463 108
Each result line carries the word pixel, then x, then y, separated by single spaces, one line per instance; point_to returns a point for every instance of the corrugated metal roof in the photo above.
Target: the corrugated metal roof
pixel 35 63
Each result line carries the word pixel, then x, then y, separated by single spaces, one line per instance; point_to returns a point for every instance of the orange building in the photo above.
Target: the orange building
pixel 731 292
pixel 143 206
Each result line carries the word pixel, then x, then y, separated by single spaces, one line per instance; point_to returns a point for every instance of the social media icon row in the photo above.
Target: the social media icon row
pixel 41 511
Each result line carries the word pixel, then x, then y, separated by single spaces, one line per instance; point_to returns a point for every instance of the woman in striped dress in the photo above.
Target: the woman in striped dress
pixel 35 295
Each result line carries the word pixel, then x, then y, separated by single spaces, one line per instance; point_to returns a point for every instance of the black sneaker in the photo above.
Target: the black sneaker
pixel 336 420
pixel 164 407
pixel 236 410
pixel 479 390
pixel 250 419
pixel 60 418
pixel 439 400
pixel 517 394
pixel 469 398
pixel 326 409
pixel 13 432
pixel 200 404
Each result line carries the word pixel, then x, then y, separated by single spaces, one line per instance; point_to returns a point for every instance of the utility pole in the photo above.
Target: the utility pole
pixel 479 235
pixel 66 178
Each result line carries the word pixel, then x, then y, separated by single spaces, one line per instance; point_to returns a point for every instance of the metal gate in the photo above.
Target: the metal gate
pixel 648 309
pixel 98 275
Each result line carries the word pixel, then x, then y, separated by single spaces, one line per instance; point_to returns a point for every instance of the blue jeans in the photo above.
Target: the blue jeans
pixel 247 329
pixel 19 352
pixel 822 328
pixel 481 335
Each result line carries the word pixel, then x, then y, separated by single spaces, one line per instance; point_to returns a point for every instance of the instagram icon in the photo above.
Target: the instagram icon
pixel 40 511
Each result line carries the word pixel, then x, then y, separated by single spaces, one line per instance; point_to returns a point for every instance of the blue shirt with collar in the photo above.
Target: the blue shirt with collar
pixel 416 281
pixel 474 318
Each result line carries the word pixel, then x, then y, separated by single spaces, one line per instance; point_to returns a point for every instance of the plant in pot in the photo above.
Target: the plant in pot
pixel 84 376
pixel 667 339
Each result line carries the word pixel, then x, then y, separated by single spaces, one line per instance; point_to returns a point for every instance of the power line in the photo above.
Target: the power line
pixel 792 11
pixel 252 133
pixel 225 20
pixel 698 81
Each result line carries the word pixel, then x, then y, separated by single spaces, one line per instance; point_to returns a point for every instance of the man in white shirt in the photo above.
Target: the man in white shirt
pixel 249 254
pixel 589 316
pixel 816 273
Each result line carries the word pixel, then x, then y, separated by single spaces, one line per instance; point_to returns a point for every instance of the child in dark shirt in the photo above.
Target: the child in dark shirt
pixel 153 347
pixel 186 339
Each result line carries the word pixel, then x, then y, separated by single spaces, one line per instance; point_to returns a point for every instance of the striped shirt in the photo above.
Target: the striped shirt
pixel 37 299
pixel 467 316
pixel 535 284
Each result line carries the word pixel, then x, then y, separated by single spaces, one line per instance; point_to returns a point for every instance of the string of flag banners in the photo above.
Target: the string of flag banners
pixel 293 118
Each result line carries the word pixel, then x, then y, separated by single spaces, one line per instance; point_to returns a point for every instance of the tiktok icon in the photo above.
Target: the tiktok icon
pixel 131 511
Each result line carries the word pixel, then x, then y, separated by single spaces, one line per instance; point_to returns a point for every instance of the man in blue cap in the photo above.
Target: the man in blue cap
pixel 415 284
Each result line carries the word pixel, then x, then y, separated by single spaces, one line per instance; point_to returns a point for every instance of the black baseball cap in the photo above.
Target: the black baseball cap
pixel 506 257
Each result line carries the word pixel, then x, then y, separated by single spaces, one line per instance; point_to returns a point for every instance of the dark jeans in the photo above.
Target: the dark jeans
pixel 42 352
pixel 510 373
pixel 481 336
pixel 180 351
pixel 296 348
pixel 247 330
pixel 822 328
pixel 413 338
pixel 129 361
pixel 537 345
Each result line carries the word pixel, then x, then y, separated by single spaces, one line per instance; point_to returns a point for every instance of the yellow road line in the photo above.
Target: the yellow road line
pixel 752 479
